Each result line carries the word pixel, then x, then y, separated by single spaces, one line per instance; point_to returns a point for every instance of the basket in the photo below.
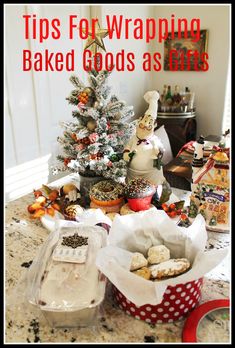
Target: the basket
pixel 177 302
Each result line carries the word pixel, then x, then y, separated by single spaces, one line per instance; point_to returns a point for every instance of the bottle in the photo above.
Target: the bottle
pixel 191 102
pixel 187 97
pixel 176 96
pixel 169 99
pixel 183 104
pixel 163 98
pixel 164 93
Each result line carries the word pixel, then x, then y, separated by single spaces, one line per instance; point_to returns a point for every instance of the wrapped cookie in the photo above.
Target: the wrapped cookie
pixel 158 253
pixel 138 261
pixel 73 212
pixel 170 268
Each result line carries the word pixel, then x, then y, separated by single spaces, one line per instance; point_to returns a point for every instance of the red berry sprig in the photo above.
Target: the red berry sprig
pixel 83 98
pixel 172 209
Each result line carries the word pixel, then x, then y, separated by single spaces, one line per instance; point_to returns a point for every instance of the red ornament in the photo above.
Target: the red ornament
pixel 81 106
pixel 96 156
pixel 66 161
pixel 93 137
pixel 79 147
pixel 93 156
pixel 74 136
pixel 85 141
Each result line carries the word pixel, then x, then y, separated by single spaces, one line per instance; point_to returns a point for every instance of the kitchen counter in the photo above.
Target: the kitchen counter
pixel 24 236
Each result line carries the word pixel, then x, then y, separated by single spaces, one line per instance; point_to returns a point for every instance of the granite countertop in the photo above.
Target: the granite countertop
pixel 24 236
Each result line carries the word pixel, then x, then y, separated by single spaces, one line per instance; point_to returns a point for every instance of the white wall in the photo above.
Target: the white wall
pixel 209 86
pixel 130 86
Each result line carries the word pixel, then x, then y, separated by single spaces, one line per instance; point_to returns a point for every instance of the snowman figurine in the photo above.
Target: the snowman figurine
pixel 144 151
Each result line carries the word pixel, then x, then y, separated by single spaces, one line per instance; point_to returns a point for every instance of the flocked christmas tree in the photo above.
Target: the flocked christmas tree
pixel 93 143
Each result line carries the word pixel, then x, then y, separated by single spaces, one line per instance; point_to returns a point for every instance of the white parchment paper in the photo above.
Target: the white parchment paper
pixel 89 217
pixel 140 231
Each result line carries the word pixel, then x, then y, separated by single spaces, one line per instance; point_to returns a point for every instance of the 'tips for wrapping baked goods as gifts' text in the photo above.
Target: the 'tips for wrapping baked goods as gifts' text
pixel 118 28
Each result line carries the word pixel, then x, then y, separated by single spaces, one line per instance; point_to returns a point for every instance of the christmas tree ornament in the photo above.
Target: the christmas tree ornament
pixel 98 104
pixel 96 156
pixel 93 137
pixel 115 157
pixel 87 97
pixel 66 161
pixel 79 147
pixel 74 136
pixel 97 42
pixel 83 98
pixel 91 125
pixel 85 141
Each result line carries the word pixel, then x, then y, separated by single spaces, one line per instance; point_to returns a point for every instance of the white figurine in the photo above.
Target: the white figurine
pixel 145 148
pixel 198 156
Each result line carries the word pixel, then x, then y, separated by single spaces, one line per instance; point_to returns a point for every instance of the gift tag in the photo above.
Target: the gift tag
pixel 71 248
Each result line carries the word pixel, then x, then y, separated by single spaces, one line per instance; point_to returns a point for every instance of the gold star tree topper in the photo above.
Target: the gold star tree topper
pixel 97 42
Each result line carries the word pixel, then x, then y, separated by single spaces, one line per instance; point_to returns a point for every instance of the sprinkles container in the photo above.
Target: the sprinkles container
pixel 139 204
pixel 177 302
pixel 139 193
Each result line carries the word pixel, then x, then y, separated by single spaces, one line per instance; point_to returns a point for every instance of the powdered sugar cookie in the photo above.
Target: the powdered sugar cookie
pixel 170 268
pixel 138 261
pixel 158 254
pixel 143 272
